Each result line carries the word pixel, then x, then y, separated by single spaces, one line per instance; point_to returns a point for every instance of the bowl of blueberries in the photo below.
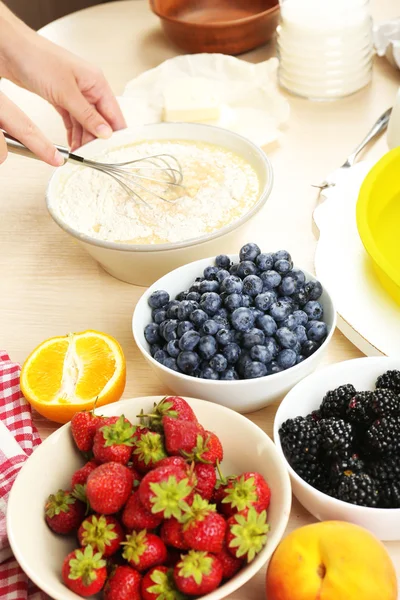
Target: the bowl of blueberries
pixel 238 330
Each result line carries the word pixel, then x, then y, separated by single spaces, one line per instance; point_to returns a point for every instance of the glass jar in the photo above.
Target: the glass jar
pixel 325 47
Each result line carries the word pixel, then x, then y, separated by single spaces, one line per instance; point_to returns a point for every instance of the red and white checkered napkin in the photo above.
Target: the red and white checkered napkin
pixel 18 439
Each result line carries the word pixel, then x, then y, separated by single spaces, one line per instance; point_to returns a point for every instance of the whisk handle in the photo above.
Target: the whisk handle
pixel 16 147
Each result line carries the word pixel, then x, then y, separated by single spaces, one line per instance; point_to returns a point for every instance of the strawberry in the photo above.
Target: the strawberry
pixel 172 534
pixel 109 487
pixel 83 428
pixel 230 564
pixel 123 584
pixel 176 461
pixel 148 451
pixel 170 406
pixel 165 490
pixel 84 572
pixel 205 480
pixel 198 573
pixel 113 441
pixel 102 532
pixel 180 436
pixel 80 476
pixel 208 449
pixel 144 550
pixel 136 516
pixel 244 491
pixel 203 528
pixel 159 584
pixel 63 512
pixel 246 533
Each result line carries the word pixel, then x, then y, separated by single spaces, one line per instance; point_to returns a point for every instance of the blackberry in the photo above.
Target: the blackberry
pixel 335 402
pixel 300 440
pixel 347 466
pixel 385 470
pixel 390 496
pixel 383 437
pixel 385 403
pixel 337 437
pixel 315 415
pixel 358 489
pixel 360 410
pixel 390 381
pixel 314 474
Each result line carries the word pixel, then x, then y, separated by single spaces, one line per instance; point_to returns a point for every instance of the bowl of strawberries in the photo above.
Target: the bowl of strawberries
pixel 154 498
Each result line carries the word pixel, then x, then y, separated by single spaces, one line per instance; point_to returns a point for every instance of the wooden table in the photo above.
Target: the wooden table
pixel 49 286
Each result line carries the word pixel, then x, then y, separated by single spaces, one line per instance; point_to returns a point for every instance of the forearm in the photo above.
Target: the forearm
pixel 13 34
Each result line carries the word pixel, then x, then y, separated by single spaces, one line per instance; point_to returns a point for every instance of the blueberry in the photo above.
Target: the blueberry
pixel 246 268
pixel 222 261
pixel 172 310
pixel 256 312
pixel 229 375
pixel 231 352
pixel 282 266
pixel 280 310
pixel 300 297
pixel 189 340
pixel 299 358
pixel 290 322
pixel 271 279
pixel 209 373
pixel 300 333
pixel 265 300
pixel 317 332
pixel 223 313
pixel 253 337
pixel 160 356
pixel 222 322
pixel 173 348
pixel 188 362
pixel 288 285
pixel 272 346
pixel 313 310
pixel 260 354
pixel 243 361
pixel 159 315
pixel 210 327
pixel 310 324
pixel 265 261
pixel 242 319
pixel 254 369
pixel 234 269
pixel 185 308
pixel 249 252
pixel 300 317
pixel 209 286
pixel 158 299
pixel 232 285
pixel 210 302
pixel 282 255
pixel 233 301
pixel 224 337
pixel 151 333
pixel 207 347
pixel 195 287
pixel 170 363
pixel 246 301
pixel 168 330
pixel 221 275
pixel 237 336
pixel 286 358
pixel 154 348
pixel 195 296
pixel 274 368
pixel 309 347
pixel 286 338
pixel 267 324
pixel 218 363
pixel 181 296
pixel 183 327
pixel 198 317
pixel 252 285
pixel 210 272
pixel 299 277
pixel 314 290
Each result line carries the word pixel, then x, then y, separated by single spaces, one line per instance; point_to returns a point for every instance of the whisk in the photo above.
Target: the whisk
pixel 130 175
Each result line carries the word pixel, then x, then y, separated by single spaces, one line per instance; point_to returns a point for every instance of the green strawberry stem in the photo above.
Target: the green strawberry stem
pixel 249 533
pixel 119 433
pixel 164 586
pixel 98 533
pixel 222 480
pixel 134 546
pixel 195 564
pixel 85 564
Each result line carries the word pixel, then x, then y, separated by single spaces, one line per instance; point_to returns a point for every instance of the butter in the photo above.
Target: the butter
pixel 192 100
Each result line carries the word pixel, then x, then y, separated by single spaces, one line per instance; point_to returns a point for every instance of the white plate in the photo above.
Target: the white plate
pixel 367 315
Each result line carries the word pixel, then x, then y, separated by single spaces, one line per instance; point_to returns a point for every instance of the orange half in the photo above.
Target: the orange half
pixel 67 374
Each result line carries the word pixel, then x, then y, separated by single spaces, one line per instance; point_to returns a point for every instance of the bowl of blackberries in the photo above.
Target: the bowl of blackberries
pixel 339 433
pixel 238 330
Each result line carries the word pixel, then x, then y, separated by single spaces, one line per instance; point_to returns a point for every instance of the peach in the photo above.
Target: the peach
pixel 332 560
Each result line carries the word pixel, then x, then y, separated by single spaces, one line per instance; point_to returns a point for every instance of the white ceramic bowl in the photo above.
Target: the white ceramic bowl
pixel 244 395
pixel 40 552
pixel 305 397
pixel 144 264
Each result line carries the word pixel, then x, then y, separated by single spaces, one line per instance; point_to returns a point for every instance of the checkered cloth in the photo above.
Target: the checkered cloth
pixel 18 439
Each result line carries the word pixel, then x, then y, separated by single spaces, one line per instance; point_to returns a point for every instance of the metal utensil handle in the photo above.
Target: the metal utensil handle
pixel 16 147
pixel 379 126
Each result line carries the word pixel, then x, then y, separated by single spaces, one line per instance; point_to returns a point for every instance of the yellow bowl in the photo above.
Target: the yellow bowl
pixel 378 220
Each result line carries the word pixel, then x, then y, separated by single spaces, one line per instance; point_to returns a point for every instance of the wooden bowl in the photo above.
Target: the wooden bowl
pixel 223 26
